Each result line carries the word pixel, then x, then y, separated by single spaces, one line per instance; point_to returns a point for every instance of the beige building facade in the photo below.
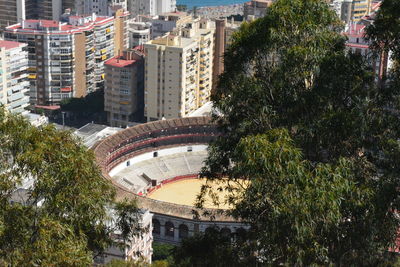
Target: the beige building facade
pixel 178 71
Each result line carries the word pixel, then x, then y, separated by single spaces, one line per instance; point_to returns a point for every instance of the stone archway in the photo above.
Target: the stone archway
pixel 169 229
pixel 183 231
pixel 226 232
pixel 156 227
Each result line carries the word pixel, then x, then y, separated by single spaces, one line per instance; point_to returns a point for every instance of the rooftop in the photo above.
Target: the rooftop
pixel 57 26
pixel 9 44
pixel 92 133
pixel 44 23
pixel 119 62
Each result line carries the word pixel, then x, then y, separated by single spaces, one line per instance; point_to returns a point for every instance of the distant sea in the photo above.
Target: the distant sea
pixel 199 3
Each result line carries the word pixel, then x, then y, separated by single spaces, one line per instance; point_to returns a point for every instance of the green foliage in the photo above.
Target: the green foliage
pixel 162 251
pixel 287 196
pixel 128 215
pixel 212 249
pixel 322 190
pixel 161 263
pixel 62 219
pixel 123 263
pixel 385 32
pixel 93 102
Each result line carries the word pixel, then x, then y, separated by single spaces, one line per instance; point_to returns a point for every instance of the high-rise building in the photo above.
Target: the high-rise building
pixel 166 22
pixel 137 248
pixel 123 93
pixel 360 9
pixel 14 85
pixel 15 11
pixel 139 33
pixel 65 59
pixel 352 10
pixel 150 7
pixel 178 71
pixel 256 8
pixel 121 38
pixel 99 7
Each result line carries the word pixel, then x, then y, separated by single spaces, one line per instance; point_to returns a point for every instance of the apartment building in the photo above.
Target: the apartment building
pixel 124 88
pixel 166 22
pixel 360 8
pixel 121 38
pixel 65 59
pixel 14 11
pixel 352 10
pixel 357 43
pixel 178 71
pixel 139 33
pixel 99 7
pixel 256 8
pixel 14 85
pixel 150 7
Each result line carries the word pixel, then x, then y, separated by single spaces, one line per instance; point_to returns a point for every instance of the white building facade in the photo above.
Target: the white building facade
pixel 139 33
pixel 14 85
pixel 151 7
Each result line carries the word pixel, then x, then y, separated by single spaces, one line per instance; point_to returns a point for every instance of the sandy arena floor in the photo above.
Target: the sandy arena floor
pixel 184 192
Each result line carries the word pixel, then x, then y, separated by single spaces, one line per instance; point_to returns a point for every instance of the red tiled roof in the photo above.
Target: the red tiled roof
pixel 9 44
pixel 119 63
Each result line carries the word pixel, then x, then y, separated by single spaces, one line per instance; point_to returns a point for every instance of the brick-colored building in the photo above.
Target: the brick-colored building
pixel 123 95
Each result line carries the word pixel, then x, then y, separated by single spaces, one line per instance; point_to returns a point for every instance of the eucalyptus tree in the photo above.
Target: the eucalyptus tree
pixel 332 201
pixel 54 201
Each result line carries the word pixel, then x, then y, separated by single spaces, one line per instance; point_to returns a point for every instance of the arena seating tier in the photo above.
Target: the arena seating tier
pixel 160 169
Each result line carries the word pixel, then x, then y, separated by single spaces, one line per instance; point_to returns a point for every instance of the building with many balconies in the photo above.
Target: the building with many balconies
pixel 14 85
pixel 178 71
pixel 15 11
pixel 65 59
